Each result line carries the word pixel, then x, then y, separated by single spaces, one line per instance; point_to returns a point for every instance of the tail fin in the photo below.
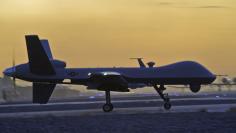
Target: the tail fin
pixel 42 92
pixel 39 56
pixel 47 49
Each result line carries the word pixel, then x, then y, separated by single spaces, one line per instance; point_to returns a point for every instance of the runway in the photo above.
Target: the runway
pixel 132 113
pixel 128 104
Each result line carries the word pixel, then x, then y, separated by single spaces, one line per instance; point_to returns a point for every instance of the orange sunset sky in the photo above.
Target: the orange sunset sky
pixel 106 33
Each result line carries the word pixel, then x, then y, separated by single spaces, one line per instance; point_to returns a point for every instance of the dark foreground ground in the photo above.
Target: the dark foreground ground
pixel 138 123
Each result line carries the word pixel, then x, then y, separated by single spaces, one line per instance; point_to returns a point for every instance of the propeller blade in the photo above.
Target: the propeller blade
pixel 13 58
pixel 13 65
pixel 14 83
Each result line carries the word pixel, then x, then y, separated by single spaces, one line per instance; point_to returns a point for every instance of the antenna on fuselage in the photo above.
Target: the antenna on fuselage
pixel 141 64
pixel 151 64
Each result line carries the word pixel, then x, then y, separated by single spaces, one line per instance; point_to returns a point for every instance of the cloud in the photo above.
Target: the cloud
pixel 165 3
pixel 210 7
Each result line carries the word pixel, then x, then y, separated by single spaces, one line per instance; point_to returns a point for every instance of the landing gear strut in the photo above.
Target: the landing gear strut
pixel 108 107
pixel 164 96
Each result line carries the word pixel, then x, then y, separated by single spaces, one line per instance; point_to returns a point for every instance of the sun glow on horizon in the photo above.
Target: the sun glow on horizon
pixel 101 33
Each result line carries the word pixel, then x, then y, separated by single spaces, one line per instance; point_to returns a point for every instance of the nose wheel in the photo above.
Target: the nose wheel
pixel 167 105
pixel 108 107
pixel 164 96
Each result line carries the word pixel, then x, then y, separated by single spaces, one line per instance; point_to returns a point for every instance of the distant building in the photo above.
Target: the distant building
pixel 7 91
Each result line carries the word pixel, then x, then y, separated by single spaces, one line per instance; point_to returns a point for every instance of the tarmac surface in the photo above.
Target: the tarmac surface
pixel 132 113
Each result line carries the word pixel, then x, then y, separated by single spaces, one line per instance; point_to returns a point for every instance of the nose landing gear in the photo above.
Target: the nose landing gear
pixel 108 107
pixel 164 96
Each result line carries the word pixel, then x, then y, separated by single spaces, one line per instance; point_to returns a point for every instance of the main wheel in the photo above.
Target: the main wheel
pixel 107 107
pixel 167 105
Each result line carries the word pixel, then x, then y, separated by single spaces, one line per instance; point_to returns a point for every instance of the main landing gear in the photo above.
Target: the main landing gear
pixel 164 96
pixel 108 107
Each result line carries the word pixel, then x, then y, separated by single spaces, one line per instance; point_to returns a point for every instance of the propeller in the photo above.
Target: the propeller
pixel 13 65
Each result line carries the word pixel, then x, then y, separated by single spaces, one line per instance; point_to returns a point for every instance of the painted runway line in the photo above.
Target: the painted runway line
pixel 133 110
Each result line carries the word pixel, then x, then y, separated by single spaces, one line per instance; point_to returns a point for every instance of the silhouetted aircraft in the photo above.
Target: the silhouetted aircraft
pixel 45 72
